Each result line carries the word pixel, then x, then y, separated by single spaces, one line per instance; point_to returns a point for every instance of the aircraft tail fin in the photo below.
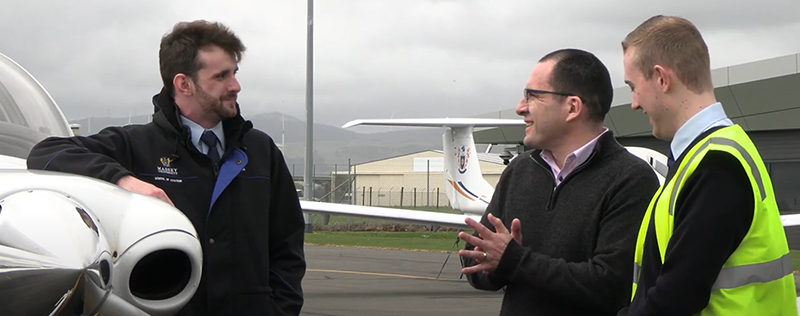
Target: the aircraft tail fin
pixel 467 190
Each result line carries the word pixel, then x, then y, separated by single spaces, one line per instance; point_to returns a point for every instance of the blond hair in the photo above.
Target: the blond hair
pixel 672 42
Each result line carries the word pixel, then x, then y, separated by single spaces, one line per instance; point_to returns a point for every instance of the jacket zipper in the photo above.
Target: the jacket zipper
pixel 554 193
pixel 570 175
pixel 552 180
pixel 208 213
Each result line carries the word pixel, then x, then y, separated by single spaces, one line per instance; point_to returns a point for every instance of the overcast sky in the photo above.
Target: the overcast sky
pixel 373 58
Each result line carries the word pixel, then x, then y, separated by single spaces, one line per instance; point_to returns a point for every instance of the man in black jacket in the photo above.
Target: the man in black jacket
pixel 573 205
pixel 200 155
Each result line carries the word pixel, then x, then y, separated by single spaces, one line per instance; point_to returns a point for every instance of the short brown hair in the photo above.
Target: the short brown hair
pixel 178 51
pixel 673 42
pixel 582 73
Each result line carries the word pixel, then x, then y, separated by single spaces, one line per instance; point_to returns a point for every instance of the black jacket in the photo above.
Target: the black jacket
pixel 246 211
pixel 576 256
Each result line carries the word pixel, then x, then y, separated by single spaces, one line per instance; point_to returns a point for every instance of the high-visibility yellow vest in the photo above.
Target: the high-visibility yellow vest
pixel 757 278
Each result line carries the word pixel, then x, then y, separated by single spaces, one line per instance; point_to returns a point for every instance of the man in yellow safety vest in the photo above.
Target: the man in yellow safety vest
pixel 711 241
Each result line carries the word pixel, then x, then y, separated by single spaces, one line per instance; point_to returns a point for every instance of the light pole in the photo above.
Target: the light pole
pixel 308 176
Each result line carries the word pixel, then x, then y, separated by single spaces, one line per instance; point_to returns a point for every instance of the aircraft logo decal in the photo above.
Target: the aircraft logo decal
pixel 462 155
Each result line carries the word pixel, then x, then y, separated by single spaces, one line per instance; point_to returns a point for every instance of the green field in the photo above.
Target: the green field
pixel 430 241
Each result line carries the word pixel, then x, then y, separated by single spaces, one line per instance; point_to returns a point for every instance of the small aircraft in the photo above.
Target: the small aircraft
pixel 73 245
pixel 466 188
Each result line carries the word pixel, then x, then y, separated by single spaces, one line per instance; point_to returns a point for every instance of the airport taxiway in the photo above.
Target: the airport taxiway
pixel 361 281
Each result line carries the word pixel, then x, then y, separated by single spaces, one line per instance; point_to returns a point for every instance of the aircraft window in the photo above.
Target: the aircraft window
pixel 23 102
pixel 9 111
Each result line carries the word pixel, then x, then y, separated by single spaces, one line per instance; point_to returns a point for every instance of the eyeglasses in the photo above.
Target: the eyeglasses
pixel 529 92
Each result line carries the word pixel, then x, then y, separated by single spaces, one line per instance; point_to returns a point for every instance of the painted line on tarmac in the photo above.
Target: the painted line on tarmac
pixel 381 274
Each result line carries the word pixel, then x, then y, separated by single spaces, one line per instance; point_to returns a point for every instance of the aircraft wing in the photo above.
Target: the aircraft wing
pixel 790 220
pixel 393 214
pixel 437 122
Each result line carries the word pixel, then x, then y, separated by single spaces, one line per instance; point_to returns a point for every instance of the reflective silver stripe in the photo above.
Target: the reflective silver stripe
pixel 720 141
pixel 733 277
pixel 748 159
pixel 679 179
pixel 636 269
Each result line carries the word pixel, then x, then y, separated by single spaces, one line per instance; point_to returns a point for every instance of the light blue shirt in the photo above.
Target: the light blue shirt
pixel 709 117
pixel 197 131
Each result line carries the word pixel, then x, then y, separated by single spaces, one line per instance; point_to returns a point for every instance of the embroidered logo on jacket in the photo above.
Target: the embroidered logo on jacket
pixel 166 166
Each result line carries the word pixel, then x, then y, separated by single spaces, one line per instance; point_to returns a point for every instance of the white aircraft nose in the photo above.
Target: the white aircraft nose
pixel 8 162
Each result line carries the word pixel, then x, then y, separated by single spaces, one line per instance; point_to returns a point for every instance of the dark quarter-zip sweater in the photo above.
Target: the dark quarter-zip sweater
pixel 576 256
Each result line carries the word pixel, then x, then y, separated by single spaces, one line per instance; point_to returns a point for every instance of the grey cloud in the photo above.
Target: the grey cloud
pixel 373 59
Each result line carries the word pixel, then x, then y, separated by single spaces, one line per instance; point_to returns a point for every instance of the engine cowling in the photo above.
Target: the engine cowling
pixel 73 245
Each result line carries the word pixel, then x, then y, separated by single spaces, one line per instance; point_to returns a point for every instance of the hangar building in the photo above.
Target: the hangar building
pixel 412 180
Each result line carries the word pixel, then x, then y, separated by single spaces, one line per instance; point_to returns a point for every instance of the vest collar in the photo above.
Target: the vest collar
pixel 679 159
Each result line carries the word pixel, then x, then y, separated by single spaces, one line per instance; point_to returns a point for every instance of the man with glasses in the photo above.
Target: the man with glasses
pixel 560 229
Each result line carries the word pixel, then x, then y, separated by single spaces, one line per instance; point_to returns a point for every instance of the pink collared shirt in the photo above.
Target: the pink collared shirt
pixel 576 158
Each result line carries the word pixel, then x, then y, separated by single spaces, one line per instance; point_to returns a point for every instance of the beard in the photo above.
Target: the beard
pixel 215 106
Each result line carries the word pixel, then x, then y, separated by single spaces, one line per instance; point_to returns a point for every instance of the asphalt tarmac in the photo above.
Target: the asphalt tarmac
pixel 360 281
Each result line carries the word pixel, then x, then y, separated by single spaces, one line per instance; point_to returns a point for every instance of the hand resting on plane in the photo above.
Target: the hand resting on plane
pixel 135 185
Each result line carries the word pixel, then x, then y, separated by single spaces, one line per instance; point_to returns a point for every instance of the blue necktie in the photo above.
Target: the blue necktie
pixel 210 139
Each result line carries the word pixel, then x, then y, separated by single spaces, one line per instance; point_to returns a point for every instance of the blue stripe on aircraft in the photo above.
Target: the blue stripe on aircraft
pixel 470 193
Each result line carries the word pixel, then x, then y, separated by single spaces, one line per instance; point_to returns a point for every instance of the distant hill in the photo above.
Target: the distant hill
pixel 333 146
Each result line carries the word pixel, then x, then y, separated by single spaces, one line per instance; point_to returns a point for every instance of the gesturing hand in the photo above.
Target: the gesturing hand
pixel 489 248
pixel 516 231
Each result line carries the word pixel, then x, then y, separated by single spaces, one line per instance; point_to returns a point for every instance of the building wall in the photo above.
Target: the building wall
pixel 406 164
pixel 773 145
pixel 780 151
